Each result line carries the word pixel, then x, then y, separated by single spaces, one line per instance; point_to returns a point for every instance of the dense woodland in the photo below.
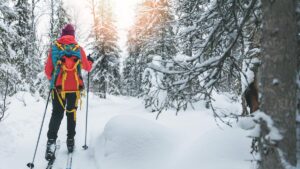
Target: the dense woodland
pixel 179 52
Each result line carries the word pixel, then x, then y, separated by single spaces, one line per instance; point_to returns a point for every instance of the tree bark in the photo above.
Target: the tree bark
pixel 278 80
pixel 52 21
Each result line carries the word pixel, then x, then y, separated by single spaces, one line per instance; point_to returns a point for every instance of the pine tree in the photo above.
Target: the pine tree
pixel 160 39
pixel 62 18
pixel 160 44
pixel 59 18
pixel 8 55
pixel 152 35
pixel 28 63
pixel 10 75
pixel 133 65
pixel 136 62
pixel 106 73
pixel 189 31
pixel 23 28
pixel 211 35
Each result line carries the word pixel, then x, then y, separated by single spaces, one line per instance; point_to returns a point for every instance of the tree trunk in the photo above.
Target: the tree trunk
pixel 298 52
pixel 52 21
pixel 278 81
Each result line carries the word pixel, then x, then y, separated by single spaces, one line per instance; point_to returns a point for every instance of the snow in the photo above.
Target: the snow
pixel 246 123
pixel 154 82
pixel 211 61
pixel 124 135
pixel 215 150
pixel 7 28
pixel 274 134
pixel 130 142
pixel 253 123
pixel 275 81
pixel 162 70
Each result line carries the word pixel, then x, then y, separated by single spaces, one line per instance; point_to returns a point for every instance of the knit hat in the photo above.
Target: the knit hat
pixel 68 30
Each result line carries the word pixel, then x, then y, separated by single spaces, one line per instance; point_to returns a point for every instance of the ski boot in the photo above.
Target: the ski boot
pixel 50 150
pixel 70 144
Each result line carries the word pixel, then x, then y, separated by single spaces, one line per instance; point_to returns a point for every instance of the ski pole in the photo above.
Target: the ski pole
pixel 31 165
pixel 87 111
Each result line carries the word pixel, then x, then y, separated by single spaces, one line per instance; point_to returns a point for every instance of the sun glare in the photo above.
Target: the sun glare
pixel 125 12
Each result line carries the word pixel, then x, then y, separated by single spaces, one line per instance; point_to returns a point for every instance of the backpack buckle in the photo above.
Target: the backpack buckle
pixel 58 62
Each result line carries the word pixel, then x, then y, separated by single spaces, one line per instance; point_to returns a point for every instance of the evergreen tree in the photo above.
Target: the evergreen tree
pixel 152 35
pixel 189 31
pixel 160 40
pixel 137 60
pixel 8 54
pixel 62 18
pixel 22 7
pixel 212 36
pixel 161 48
pixel 133 65
pixel 59 18
pixel 106 73
pixel 29 64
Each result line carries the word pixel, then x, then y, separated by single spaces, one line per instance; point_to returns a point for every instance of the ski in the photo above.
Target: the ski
pixel 50 163
pixel 69 162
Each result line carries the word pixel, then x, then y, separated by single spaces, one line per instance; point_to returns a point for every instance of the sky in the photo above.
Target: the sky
pixel 124 11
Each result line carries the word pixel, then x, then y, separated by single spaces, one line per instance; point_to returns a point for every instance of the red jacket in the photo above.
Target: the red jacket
pixel 70 83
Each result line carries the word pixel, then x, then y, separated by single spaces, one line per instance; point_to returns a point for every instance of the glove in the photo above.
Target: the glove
pixel 90 58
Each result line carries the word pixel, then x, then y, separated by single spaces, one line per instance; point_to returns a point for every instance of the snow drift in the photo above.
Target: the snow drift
pixel 130 142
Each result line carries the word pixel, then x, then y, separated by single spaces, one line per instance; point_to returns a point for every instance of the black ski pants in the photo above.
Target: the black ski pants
pixel 59 106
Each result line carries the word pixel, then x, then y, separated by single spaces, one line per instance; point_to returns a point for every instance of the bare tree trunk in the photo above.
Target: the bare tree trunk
pixel 278 82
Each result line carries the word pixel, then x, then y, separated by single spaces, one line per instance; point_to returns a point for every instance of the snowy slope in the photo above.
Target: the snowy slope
pixel 123 135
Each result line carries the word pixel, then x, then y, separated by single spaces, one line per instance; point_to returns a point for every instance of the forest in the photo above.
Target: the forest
pixel 177 54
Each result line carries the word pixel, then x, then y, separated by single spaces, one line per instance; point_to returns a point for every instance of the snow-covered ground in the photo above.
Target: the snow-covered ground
pixel 123 135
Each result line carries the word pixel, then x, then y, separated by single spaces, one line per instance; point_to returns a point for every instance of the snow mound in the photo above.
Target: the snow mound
pixel 246 123
pixel 130 142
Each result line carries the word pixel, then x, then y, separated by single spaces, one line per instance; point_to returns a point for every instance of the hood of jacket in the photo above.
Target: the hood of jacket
pixel 67 39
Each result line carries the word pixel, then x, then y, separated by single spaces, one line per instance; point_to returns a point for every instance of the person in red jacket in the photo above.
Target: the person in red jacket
pixel 67 84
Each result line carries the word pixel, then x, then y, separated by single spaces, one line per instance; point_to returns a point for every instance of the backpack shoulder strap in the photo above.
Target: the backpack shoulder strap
pixel 57 50
pixel 59 46
pixel 56 54
pixel 76 47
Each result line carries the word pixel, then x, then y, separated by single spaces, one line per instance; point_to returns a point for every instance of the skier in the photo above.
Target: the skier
pixel 63 69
